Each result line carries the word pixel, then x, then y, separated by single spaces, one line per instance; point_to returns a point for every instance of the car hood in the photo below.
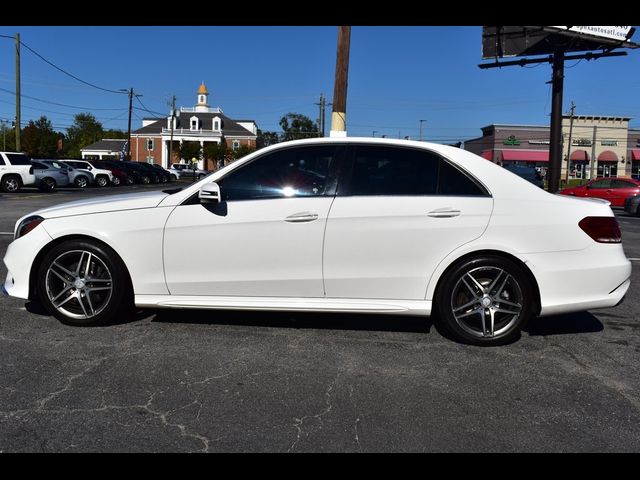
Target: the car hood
pixel 107 203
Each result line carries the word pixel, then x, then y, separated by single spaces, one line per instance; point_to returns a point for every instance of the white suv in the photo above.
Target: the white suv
pixel 16 171
pixel 102 177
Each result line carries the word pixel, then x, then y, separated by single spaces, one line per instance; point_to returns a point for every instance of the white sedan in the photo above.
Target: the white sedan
pixel 332 225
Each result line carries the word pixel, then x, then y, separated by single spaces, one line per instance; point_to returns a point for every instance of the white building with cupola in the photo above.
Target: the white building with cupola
pixel 201 123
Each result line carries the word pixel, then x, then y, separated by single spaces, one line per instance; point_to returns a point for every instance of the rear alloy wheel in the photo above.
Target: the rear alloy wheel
pixel 10 184
pixel 83 283
pixel 102 181
pixel 47 184
pixel 485 301
pixel 115 181
pixel 146 180
pixel 81 181
pixel 174 178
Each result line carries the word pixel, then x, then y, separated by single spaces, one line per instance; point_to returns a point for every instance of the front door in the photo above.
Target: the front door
pixel 264 238
pixel 402 212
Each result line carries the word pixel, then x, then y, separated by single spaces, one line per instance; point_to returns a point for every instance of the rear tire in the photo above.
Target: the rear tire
pixel 47 184
pixel 102 181
pixel 484 300
pixel 83 283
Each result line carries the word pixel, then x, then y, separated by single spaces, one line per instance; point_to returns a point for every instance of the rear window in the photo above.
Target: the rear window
pixel 18 159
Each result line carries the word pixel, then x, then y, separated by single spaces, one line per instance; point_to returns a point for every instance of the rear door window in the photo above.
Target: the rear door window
pixel 18 159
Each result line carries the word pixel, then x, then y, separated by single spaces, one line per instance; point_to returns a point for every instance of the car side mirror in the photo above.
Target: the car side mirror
pixel 210 193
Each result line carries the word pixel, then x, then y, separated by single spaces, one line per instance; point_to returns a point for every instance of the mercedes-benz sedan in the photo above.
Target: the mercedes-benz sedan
pixel 331 225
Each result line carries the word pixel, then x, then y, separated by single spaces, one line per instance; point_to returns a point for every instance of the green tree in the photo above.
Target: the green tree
pixel 296 125
pixel 85 130
pixel 113 133
pixel 39 140
pixel 266 138
pixel 8 139
pixel 243 151
pixel 216 152
pixel 188 150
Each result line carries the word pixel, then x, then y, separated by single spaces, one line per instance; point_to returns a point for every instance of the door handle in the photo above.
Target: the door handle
pixel 444 213
pixel 301 217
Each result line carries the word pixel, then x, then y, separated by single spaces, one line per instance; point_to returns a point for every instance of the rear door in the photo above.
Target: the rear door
pixel 398 213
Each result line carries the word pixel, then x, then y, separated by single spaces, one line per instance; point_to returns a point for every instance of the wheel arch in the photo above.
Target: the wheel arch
pixel 498 253
pixel 57 241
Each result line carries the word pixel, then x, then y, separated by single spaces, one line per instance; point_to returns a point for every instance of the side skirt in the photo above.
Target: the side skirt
pixel 355 305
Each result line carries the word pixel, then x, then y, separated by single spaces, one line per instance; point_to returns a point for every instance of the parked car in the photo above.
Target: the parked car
pixel 158 173
pixel 170 177
pixel 120 177
pixel 632 205
pixel 615 190
pixel 530 174
pixel 146 175
pixel 331 225
pixel 186 170
pixel 102 177
pixel 16 171
pixel 49 177
pixel 81 178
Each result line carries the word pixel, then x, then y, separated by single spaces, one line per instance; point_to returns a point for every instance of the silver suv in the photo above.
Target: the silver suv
pixel 16 171
pixel 185 170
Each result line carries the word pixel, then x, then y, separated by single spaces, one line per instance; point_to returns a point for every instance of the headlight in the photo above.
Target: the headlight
pixel 26 225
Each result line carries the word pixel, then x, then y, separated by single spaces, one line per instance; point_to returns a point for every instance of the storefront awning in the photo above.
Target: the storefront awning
pixel 635 154
pixel 607 156
pixel 525 155
pixel 488 154
pixel 579 155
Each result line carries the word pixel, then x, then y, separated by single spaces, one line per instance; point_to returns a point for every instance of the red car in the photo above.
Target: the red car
pixel 613 189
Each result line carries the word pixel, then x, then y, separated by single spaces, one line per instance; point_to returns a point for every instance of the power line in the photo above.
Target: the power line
pixel 65 72
pixel 6 90
pixel 146 109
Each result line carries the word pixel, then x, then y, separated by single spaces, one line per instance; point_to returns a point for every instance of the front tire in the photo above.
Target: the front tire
pixel 485 300
pixel 102 181
pixel 83 283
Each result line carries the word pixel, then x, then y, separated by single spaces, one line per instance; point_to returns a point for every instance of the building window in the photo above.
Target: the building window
pixel 150 144
pixel 194 123
pixel 150 158
pixel 235 145
pixel 216 125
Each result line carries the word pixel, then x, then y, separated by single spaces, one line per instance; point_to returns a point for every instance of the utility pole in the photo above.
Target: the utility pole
pixel 339 114
pixel 374 132
pixel 321 119
pixel 18 122
pixel 593 152
pixel 421 128
pixel 555 147
pixel 573 108
pixel 173 116
pixel 129 129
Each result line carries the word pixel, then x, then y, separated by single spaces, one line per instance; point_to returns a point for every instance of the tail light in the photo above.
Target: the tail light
pixel 601 229
pixel 31 170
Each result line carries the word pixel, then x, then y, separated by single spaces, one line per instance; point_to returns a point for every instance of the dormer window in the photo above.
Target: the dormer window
pixel 194 122
pixel 216 124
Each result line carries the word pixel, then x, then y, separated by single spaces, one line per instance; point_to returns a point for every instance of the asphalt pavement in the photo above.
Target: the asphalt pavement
pixel 198 381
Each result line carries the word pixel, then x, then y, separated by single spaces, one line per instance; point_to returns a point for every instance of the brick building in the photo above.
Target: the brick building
pixel 200 123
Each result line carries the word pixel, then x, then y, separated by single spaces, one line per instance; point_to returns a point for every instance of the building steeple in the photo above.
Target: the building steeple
pixel 203 94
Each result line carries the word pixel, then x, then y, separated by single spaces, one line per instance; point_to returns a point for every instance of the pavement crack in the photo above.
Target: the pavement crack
pixel 299 422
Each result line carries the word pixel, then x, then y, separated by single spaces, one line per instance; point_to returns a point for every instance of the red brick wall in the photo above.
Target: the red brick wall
pixel 243 141
pixel 139 150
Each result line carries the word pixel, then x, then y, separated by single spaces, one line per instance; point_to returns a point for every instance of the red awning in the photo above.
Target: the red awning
pixel 607 156
pixel 635 154
pixel 580 155
pixel 488 154
pixel 525 155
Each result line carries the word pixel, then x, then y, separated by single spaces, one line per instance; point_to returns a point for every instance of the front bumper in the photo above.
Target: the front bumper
pixel 19 259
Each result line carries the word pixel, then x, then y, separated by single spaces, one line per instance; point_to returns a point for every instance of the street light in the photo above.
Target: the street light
pixel 421 121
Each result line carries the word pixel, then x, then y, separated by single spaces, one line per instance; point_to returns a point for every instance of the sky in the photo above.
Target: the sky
pixel 397 77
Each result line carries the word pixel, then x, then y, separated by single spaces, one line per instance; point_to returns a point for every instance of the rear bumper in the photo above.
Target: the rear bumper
pixel 597 277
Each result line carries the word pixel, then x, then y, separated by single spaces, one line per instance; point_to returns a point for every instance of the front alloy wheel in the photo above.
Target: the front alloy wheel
pixel 81 181
pixel 485 301
pixel 82 283
pixel 102 181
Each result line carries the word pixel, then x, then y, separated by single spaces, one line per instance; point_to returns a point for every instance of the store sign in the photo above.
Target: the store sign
pixel 511 140
pixel 581 142
pixel 609 143
pixel 615 33
pixel 539 142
